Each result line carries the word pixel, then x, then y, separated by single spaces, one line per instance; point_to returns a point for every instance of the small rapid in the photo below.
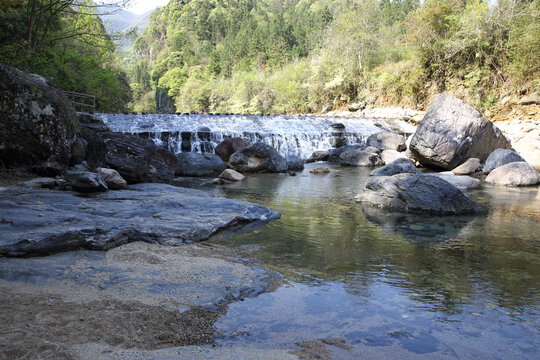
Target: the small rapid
pixel 290 135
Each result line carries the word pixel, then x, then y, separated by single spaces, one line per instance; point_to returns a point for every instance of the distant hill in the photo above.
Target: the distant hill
pixel 124 20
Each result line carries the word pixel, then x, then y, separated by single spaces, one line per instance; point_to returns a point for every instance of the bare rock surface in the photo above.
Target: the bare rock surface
pixel 356 157
pixel 416 193
pixel 86 181
pixel 113 179
pixel 389 156
pixel 386 140
pixel 462 182
pixel 229 146
pixel 452 132
pixel 195 164
pixel 39 222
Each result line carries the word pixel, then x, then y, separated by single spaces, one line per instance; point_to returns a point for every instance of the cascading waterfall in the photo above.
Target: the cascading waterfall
pixel 290 135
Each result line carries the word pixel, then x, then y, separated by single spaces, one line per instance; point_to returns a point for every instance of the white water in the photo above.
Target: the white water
pixel 289 135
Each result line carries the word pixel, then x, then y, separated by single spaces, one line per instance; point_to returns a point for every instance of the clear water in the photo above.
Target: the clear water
pixel 392 286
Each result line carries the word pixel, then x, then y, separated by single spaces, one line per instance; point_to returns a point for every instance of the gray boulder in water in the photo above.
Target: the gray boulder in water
pixel 399 166
pixel 294 162
pixel 462 182
pixel 195 164
pixel 85 181
pixel 387 140
pixel 258 157
pixel 452 132
pixel 334 154
pixel 356 157
pixel 500 157
pixel 229 146
pixel 514 174
pixel 416 193
pixel 36 123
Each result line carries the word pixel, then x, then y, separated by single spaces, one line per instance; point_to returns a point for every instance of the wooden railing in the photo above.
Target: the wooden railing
pixel 80 102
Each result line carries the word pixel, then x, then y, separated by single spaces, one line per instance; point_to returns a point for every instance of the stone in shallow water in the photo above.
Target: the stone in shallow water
pixel 231 175
pixel 416 193
pixel 500 157
pixel 468 167
pixel 355 157
pixel 39 222
pixel 258 157
pixel 386 140
pixel 195 164
pixel 399 166
pixel 514 174
pixel 463 182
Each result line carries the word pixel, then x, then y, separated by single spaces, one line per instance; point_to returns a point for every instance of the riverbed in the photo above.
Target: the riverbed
pixel 388 286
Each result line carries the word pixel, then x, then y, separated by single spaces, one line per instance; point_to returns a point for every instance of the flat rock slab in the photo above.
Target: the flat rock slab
pixel 40 222
pixel 140 296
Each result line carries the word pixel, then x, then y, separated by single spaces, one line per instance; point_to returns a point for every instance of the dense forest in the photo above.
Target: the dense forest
pixel 284 56
pixel 65 40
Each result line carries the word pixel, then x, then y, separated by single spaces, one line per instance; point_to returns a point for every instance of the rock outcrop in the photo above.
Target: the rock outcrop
pixel 40 222
pixel 514 174
pixel 195 164
pixel 420 194
pixel 258 157
pixel 36 122
pixel 452 132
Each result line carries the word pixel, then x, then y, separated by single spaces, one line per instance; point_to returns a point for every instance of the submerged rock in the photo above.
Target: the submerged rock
pixel 452 132
pixel 229 146
pixel 416 193
pixel 319 170
pixel 514 174
pixel 500 157
pixel 195 164
pixel 468 167
pixel 39 222
pixel 399 166
pixel 258 157
pixel 36 123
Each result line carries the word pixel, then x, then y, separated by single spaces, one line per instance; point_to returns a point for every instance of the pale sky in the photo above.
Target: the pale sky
pixel 142 6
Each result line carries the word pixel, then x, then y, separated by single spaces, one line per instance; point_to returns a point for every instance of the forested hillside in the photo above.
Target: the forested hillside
pixel 65 41
pixel 290 56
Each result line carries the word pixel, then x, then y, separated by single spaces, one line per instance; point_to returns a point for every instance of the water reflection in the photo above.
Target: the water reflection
pixel 443 286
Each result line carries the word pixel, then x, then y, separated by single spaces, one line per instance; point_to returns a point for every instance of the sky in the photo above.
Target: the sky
pixel 142 6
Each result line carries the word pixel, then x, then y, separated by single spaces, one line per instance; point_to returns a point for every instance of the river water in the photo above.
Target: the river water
pixel 390 286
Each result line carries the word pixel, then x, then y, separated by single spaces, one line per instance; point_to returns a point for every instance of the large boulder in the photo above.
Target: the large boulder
pixel 500 157
pixel 514 174
pixel 452 132
pixel 258 157
pixel 136 159
pixel 36 123
pixel 386 140
pixel 356 157
pixel 334 154
pixel 416 193
pixel 294 162
pixel 195 164
pixel 398 166
pixel 229 146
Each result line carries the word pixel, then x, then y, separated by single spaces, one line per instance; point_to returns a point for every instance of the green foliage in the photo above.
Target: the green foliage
pixel 71 47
